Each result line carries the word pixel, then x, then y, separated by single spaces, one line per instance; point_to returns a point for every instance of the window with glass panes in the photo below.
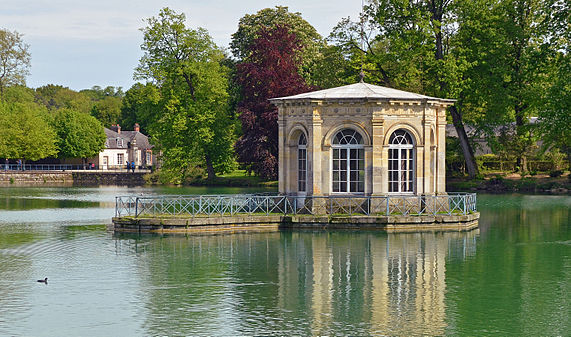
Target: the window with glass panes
pixel 302 163
pixel 348 162
pixel 401 162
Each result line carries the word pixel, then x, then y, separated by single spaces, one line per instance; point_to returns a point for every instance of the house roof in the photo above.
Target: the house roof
pixel 360 91
pixel 124 139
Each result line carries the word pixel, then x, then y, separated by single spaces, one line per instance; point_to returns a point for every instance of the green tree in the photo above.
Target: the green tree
pixel 26 132
pixel 56 97
pixel 19 94
pixel 509 47
pixel 140 105
pixel 553 105
pixel 14 60
pixel 79 135
pixel 107 110
pixel 193 127
pixel 96 93
pixel 407 45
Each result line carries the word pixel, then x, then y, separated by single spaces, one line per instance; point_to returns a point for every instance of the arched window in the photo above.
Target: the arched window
pixel 302 163
pixel 348 162
pixel 401 162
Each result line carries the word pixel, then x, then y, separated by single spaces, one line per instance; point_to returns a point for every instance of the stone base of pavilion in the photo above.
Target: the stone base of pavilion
pixel 264 223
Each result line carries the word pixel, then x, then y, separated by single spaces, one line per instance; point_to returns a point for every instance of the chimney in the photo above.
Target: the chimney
pixel 137 127
pixel 116 128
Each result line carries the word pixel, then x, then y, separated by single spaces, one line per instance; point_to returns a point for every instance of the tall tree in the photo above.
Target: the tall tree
pixel 271 70
pixel 553 105
pixel 107 110
pixel 407 45
pixel 311 44
pixel 26 132
pixel 140 104
pixel 14 60
pixel 56 97
pixel 508 51
pixel 79 135
pixel 193 126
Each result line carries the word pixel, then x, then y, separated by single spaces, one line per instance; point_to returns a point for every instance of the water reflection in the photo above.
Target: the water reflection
pixel 299 283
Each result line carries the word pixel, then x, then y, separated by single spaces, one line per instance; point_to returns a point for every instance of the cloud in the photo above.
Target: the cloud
pixel 79 43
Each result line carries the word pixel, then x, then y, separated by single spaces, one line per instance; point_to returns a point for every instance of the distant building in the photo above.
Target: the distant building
pixel 361 139
pixel 480 144
pixel 125 146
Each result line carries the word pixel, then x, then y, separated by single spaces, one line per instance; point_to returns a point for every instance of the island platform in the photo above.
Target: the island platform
pixel 266 212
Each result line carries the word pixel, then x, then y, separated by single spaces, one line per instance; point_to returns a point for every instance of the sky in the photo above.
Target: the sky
pixel 82 43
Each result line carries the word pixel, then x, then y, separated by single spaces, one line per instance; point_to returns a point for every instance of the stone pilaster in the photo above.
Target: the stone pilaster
pixel 282 152
pixel 441 152
pixel 426 179
pixel 379 172
pixel 314 153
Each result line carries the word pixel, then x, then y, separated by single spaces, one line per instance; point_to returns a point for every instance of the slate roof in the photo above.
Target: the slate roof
pixel 360 91
pixel 127 137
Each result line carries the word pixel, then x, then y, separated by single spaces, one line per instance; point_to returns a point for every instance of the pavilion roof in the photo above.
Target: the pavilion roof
pixel 360 91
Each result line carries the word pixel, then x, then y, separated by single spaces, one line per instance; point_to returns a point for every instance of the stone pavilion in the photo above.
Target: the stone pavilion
pixel 361 139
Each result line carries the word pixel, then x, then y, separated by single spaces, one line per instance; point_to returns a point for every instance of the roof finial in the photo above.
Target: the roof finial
pixel 362 76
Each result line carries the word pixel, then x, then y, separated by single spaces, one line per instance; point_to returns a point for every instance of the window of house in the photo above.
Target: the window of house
pixel 149 159
pixel 348 162
pixel 401 162
pixel 302 163
pixel 120 159
pixel 119 142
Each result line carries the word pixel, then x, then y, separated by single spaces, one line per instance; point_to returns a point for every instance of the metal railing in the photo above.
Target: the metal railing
pixel 70 167
pixel 252 204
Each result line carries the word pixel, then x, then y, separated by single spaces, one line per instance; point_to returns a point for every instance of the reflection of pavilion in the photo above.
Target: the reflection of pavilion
pixel 395 283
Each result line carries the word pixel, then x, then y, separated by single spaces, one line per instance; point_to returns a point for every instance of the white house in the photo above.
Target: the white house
pixel 125 146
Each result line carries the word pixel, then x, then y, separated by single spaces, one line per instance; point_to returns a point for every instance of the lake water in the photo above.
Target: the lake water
pixel 510 277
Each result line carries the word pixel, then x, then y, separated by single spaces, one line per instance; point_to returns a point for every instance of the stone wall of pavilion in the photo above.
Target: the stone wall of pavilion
pixel 375 120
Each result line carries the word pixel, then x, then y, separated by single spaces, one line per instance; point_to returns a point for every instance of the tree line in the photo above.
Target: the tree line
pixel 207 110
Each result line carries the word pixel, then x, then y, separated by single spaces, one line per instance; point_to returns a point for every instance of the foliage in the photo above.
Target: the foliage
pixel 555 117
pixel 140 104
pixel 56 97
pixel 310 42
pixel 504 44
pixel 79 135
pixel 193 127
pixel 331 69
pixel 97 93
pixel 107 110
pixel 19 94
pixel 14 60
pixel 269 71
pixel 26 133
pixel 492 56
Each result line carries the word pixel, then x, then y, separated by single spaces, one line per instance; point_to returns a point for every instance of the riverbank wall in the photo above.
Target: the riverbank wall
pixel 83 178
pixel 396 223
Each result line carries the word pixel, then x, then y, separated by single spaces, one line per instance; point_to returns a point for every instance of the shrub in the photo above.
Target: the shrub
pixel 556 173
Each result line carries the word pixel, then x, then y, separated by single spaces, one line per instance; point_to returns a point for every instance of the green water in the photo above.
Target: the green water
pixel 511 277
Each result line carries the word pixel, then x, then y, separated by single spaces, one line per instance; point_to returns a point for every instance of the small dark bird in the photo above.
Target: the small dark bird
pixel 44 281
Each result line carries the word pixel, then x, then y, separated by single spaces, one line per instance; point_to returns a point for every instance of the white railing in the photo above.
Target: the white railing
pixel 252 204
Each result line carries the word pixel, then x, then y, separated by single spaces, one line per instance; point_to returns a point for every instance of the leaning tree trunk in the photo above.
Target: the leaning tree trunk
pixel 464 143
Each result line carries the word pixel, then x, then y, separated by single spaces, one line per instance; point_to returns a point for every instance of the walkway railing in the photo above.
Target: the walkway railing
pixel 70 167
pixel 248 204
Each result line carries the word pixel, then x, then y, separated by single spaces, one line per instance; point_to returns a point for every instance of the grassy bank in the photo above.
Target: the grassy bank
pixel 506 183
pixel 238 178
